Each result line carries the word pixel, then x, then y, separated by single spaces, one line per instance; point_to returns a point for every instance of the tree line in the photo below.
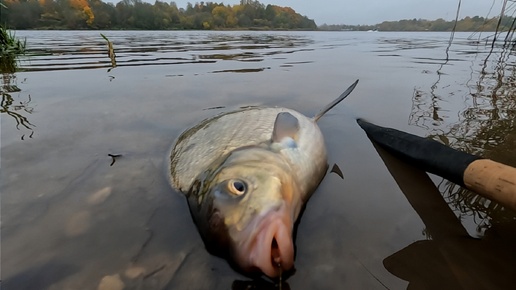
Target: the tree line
pixel 471 24
pixel 136 14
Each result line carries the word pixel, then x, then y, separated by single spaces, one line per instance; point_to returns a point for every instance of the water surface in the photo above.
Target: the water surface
pixel 71 217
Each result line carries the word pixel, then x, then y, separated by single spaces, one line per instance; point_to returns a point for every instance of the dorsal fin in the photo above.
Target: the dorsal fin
pixel 285 125
pixel 336 101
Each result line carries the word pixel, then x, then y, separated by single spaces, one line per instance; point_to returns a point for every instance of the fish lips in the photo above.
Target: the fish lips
pixel 268 245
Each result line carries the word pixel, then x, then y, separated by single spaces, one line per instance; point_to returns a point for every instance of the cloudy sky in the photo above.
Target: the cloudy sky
pixel 373 11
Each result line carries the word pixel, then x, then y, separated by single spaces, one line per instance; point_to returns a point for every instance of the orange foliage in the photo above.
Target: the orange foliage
pixel 84 7
pixel 279 9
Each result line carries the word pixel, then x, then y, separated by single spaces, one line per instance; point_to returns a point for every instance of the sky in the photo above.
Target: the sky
pixel 373 11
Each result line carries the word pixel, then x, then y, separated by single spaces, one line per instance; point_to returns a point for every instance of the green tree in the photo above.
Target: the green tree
pixel 124 13
pixel 441 25
pixel 105 14
pixel 23 14
pixel 143 14
pixel 221 14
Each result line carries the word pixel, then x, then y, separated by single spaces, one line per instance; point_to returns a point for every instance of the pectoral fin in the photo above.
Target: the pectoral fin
pixel 285 125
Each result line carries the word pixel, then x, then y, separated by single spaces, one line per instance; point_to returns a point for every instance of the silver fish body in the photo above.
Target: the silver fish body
pixel 201 145
pixel 246 175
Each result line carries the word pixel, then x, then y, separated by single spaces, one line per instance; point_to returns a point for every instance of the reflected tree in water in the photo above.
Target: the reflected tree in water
pixel 17 109
pixel 451 254
pixel 485 125
pixel 10 49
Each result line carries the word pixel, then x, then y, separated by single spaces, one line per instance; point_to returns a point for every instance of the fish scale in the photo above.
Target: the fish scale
pixel 198 147
pixel 201 145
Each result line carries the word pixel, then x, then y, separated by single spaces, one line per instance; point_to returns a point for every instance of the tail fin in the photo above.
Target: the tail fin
pixel 334 103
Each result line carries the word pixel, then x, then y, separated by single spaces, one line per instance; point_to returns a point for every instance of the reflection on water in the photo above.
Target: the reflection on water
pixel 16 107
pixel 245 70
pixel 48 52
pixel 485 125
pixel 258 285
pixel 86 202
pixel 449 253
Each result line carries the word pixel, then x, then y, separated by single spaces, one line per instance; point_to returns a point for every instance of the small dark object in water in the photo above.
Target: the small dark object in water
pixel 113 158
pixel 336 169
pixel 213 108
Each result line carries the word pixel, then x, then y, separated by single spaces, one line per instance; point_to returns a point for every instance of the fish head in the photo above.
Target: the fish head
pixel 245 207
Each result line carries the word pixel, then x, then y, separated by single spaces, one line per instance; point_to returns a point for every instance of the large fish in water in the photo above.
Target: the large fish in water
pixel 246 175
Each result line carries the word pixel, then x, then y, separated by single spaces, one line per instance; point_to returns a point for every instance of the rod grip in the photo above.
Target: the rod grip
pixel 492 180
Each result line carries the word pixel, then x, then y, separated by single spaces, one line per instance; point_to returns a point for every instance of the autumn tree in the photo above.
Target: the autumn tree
pixel 105 14
pixel 84 7
pixel 136 14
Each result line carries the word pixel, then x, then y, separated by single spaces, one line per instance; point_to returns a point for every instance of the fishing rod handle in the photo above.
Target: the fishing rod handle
pixel 492 180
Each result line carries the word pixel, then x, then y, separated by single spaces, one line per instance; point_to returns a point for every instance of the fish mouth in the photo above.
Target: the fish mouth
pixel 270 248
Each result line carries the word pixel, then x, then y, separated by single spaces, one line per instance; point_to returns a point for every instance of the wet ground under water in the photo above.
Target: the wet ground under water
pixel 73 217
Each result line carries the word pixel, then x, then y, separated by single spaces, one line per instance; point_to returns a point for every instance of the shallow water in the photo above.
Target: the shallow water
pixel 71 217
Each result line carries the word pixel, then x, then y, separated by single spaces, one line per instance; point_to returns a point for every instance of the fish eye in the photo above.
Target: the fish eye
pixel 237 187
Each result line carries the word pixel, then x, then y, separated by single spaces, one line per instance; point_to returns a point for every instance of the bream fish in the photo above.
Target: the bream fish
pixel 247 175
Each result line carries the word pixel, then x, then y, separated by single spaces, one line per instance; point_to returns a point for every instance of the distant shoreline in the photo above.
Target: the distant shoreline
pixel 249 15
pixel 246 29
pixel 466 24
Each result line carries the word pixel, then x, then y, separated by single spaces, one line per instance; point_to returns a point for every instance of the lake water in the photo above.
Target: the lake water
pixel 73 219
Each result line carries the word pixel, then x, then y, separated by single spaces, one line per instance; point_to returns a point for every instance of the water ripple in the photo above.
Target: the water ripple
pixel 49 50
